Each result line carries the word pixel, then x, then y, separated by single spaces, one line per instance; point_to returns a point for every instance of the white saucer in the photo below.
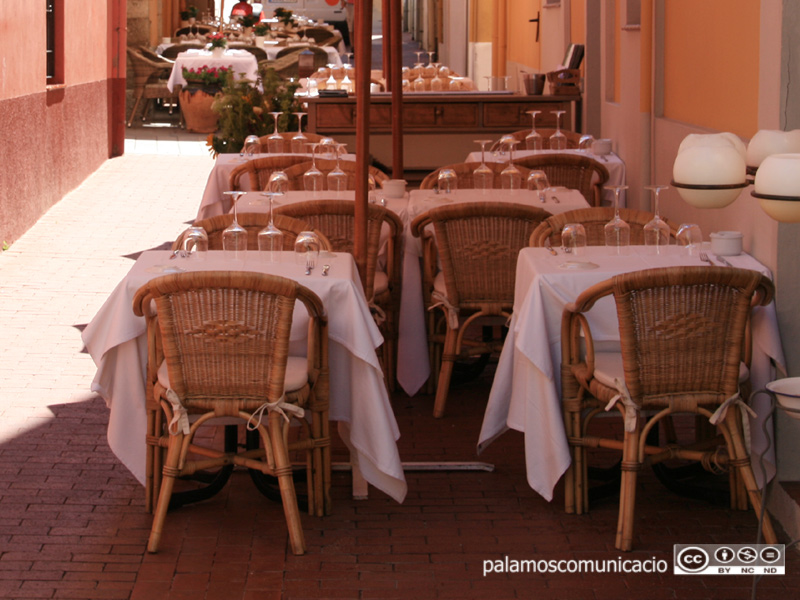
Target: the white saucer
pixel 577 265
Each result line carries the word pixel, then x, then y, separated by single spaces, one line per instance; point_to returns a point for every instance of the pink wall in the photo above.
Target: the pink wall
pixel 50 139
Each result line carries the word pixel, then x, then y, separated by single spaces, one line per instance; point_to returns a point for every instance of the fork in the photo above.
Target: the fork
pixel 704 258
pixel 310 263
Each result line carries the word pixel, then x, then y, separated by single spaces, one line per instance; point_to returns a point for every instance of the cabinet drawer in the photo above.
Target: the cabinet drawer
pixel 342 117
pixel 514 114
pixel 451 116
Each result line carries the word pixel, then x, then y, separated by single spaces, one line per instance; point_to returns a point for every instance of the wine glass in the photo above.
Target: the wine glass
pixel 337 178
pixel 573 239
pixel 510 177
pixel 558 141
pixel 252 145
pixel 195 242
pixel 617 231
pixel 270 239
pixel 447 180
pixel 278 182
pixel 275 140
pixel 234 236
pixel 299 141
pixel 483 176
pixel 306 249
pixel 585 143
pixel 419 83
pixel 537 180
pixel 690 237
pixel 656 231
pixel 313 179
pixel 533 141
pixel 328 146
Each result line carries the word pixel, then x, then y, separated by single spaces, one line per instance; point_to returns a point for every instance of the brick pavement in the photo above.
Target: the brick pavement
pixel 72 522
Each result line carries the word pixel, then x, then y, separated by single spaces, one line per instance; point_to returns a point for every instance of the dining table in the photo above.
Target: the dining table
pixel 526 392
pixel 243 63
pixel 214 202
pixel 413 366
pixel 612 162
pixel 117 342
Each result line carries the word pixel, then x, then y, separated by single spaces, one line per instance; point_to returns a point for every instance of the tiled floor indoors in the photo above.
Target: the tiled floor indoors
pixel 72 522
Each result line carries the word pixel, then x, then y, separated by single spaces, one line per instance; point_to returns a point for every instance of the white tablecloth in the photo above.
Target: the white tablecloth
pixel 413 367
pixel 242 62
pixel 116 340
pixel 612 162
pixel 214 202
pixel 526 393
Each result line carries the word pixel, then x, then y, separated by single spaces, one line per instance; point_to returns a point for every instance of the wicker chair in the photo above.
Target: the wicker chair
pixel 581 173
pixel 287 59
pixel 573 138
pixel 258 170
pixel 171 52
pixel 336 219
pixel 253 223
pixel 477 244
pixel 194 30
pixel 259 53
pixel 149 82
pixel 594 220
pixel 287 138
pixel 322 36
pixel 211 355
pixel 683 334
pixel 464 173
pixel 295 173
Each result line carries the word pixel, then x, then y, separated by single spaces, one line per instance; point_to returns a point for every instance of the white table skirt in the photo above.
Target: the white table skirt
pixel 413 367
pixel 116 340
pixel 214 202
pixel 242 62
pixel 526 393
pixel 612 162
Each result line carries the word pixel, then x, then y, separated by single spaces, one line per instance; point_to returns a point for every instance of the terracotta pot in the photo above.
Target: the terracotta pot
pixel 196 106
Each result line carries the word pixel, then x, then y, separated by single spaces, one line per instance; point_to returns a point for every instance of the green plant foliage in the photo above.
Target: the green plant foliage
pixel 243 109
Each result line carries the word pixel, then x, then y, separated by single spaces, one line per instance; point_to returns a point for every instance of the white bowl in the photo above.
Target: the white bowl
pixel 787 392
pixel 394 188
pixel 601 146
pixel 726 243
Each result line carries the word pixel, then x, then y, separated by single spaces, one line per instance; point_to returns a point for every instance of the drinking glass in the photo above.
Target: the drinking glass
pixel 234 236
pixel 419 82
pixel 306 248
pixel 511 177
pixel 533 141
pixel 558 141
pixel 502 144
pixel 270 239
pixel 573 239
pixel 278 182
pixel 690 237
pixel 483 176
pixel 195 242
pixel 328 146
pixel 437 83
pixel 617 231
pixel 275 140
pixel 299 141
pixel 447 180
pixel 252 146
pixel 337 178
pixel 313 179
pixel 537 180
pixel 656 231
pixel 585 143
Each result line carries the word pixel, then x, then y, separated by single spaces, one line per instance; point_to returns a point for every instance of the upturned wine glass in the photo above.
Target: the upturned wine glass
pixel 299 141
pixel 234 236
pixel 558 141
pixel 585 143
pixel 270 239
pixel 537 181
pixel 195 241
pixel 483 175
pixel 313 179
pixel 306 249
pixel 617 231
pixel 278 182
pixel 511 177
pixel 447 180
pixel 275 140
pixel 337 178
pixel 327 147
pixel 252 146
pixel 656 231
pixel 533 141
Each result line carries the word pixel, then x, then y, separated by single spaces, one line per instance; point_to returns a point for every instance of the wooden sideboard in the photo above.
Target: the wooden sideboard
pixel 439 128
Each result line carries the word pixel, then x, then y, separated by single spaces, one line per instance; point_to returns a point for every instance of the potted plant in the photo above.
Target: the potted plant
pixel 261 31
pixel 197 96
pixel 244 106
pixel 189 16
pixel 285 16
pixel 217 42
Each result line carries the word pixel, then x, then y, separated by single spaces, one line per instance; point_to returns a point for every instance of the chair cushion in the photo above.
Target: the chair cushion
pixel 608 365
pixel 381 283
pixel 296 374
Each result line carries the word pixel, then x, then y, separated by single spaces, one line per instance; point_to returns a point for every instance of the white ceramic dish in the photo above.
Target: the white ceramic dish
pixel 577 265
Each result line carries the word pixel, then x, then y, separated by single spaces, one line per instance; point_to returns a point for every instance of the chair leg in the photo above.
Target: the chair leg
pixel 283 471
pixel 448 360
pixel 133 110
pixel 171 471
pixel 627 493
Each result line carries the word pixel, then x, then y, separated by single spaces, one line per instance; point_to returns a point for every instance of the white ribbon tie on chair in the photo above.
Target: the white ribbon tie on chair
pixel 280 406
pixel 452 311
pixel 631 410
pixel 719 414
pixel 180 418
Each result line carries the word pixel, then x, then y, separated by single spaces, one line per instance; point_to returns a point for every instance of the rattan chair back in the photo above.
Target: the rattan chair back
pixel 295 173
pixel 258 170
pixel 149 81
pixel 171 52
pixel 464 173
pixel 581 173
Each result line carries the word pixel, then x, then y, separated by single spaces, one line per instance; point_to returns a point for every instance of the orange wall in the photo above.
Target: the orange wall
pixel 482 26
pixel 522 45
pixel 711 52
pixel 577 23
